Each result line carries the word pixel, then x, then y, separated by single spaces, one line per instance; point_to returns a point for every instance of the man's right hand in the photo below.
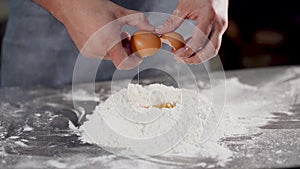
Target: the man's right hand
pixel 87 23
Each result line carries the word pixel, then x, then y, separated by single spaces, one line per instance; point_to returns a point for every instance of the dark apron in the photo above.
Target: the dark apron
pixel 37 49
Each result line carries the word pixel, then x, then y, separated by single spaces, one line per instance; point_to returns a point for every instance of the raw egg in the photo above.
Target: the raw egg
pixel 168 105
pixel 173 39
pixel 145 43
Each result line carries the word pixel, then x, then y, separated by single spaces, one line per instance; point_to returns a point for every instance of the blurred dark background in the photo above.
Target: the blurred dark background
pixel 3 20
pixel 260 33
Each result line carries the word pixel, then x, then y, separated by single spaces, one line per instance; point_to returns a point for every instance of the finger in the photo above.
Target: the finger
pixel 125 37
pixel 195 59
pixel 199 38
pixel 183 52
pixel 210 50
pixel 180 52
pixel 117 54
pixel 137 19
pixel 178 59
pixel 121 59
pixel 172 23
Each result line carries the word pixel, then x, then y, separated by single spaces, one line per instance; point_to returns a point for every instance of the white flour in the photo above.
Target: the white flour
pixel 123 109
pixel 133 112
pixel 239 116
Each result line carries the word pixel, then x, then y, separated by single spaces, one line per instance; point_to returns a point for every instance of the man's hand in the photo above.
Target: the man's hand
pixel 211 18
pixel 86 22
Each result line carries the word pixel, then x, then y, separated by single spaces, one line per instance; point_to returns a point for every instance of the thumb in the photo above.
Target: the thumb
pixel 137 19
pixel 117 54
pixel 120 58
pixel 172 23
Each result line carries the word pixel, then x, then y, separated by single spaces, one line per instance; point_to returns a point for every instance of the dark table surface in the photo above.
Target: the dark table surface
pixel 35 133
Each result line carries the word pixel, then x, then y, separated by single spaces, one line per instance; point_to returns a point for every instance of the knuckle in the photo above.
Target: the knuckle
pixel 140 16
pixel 211 53
pixel 211 12
pixel 217 46
pixel 198 61
pixel 178 13
pixel 170 21
pixel 120 13
pixel 214 53
pixel 222 23
pixel 139 19
pixel 195 59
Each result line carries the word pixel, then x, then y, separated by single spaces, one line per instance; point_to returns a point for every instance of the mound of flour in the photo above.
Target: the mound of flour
pixel 133 112
pixel 121 108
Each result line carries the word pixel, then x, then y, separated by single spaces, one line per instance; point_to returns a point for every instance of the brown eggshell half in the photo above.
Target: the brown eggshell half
pixel 145 43
pixel 173 39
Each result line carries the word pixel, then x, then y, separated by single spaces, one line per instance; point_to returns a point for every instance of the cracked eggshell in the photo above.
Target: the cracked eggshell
pixel 145 43
pixel 173 39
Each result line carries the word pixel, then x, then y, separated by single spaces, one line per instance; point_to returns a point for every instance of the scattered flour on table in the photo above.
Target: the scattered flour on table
pixel 244 108
pixel 80 95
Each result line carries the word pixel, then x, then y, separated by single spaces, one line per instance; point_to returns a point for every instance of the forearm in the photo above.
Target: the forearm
pixel 66 11
pixel 55 7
